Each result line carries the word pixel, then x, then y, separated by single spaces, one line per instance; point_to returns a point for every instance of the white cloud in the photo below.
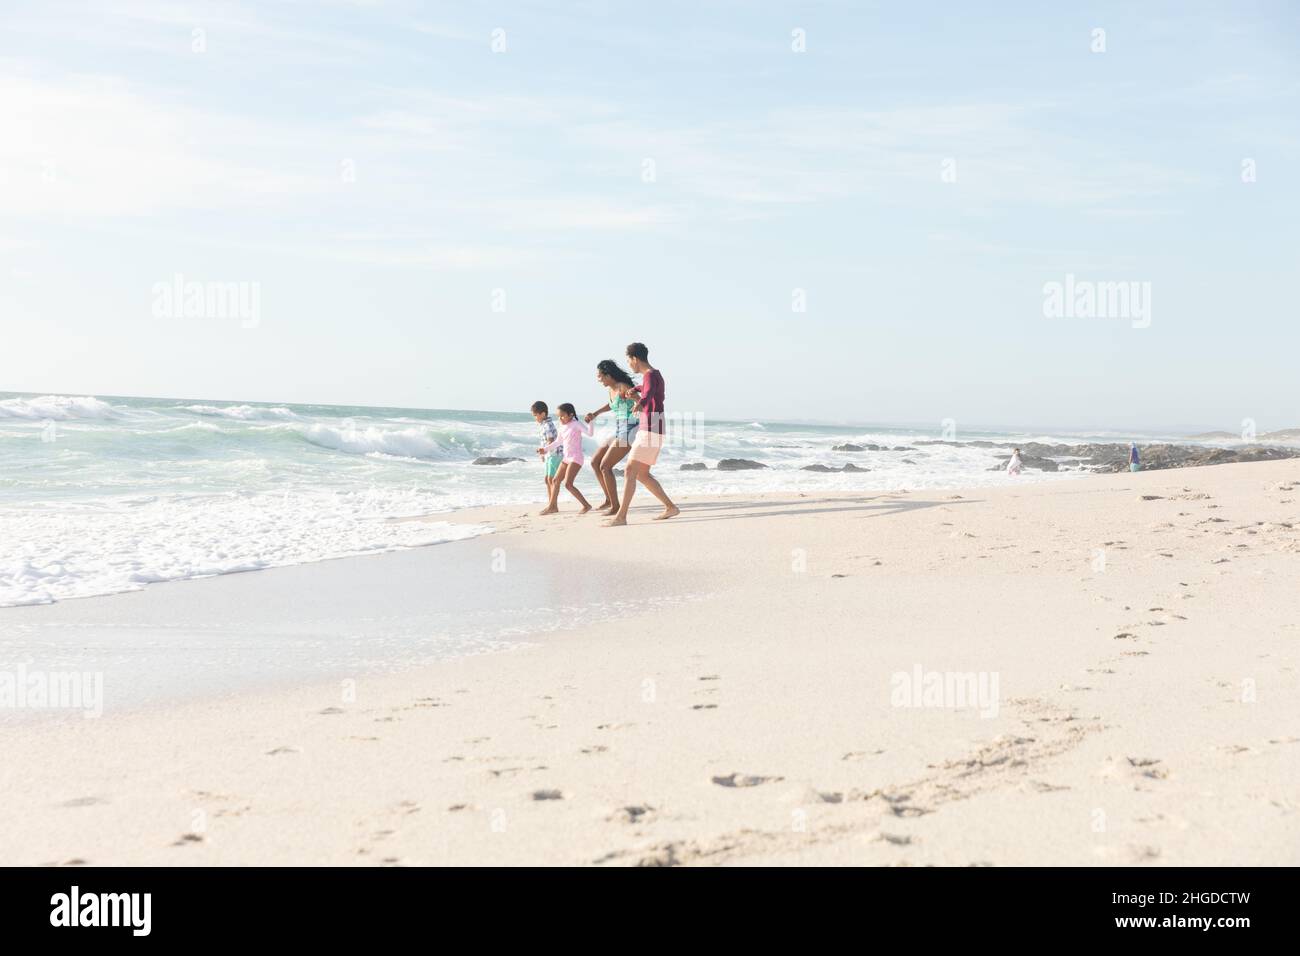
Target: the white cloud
pixel 92 146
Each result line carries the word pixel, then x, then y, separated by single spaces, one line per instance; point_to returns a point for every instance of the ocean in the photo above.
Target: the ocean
pixel 100 495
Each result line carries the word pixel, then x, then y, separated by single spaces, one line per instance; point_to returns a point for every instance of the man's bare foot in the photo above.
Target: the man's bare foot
pixel 614 522
pixel 670 512
pixel 549 511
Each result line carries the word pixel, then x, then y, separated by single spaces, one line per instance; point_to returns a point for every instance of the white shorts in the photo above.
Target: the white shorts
pixel 646 447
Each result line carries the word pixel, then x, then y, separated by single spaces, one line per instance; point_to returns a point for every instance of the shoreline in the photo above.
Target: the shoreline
pixel 759 724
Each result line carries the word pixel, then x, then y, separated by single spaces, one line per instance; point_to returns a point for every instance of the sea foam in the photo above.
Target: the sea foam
pixel 55 408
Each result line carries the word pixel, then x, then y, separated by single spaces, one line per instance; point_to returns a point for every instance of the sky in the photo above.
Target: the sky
pixel 831 211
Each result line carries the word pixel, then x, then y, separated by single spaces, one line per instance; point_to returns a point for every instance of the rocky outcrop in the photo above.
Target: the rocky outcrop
pixel 739 464
pixel 488 460
pixel 1028 461
pixel 851 446
pixel 1157 457
pixel 1112 457
pixel 695 466
pixel 826 469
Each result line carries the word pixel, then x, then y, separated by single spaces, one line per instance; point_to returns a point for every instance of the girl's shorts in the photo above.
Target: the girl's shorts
pixel 552 465
pixel 1134 466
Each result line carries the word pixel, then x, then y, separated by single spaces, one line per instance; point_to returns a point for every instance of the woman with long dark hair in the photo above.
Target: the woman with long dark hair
pixel 614 448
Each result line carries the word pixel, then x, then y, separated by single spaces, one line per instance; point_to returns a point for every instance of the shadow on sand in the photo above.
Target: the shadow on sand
pixel 873 506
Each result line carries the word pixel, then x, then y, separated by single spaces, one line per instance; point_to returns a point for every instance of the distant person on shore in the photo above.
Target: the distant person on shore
pixel 649 437
pixel 615 448
pixel 569 443
pixel 1014 465
pixel 551 461
pixel 1134 464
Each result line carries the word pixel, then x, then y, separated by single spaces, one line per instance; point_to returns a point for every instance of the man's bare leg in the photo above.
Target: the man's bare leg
pixel 651 482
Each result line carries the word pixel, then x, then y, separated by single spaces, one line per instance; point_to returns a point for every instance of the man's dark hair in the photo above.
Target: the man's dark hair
pixel 540 407
pixel 638 351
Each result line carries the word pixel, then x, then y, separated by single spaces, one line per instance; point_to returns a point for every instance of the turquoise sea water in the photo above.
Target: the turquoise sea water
pixel 104 494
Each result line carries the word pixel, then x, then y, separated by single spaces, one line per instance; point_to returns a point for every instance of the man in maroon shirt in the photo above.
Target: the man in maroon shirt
pixel 649 437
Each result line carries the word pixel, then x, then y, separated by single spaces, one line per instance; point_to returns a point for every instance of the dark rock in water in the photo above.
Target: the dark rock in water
pixel 1113 457
pixel 488 460
pixel 849 446
pixel 1029 461
pixel 739 464
pixel 902 448
pixel 827 469
pixel 695 466
pixel 908 461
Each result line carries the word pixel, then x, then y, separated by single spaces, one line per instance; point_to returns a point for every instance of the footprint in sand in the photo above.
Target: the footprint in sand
pixel 899 806
pixel 548 794
pixel 186 839
pixel 1131 853
pixel 330 711
pixel 631 814
pixel 811 795
pixel 1147 767
pixel 594 749
pixel 743 780
pixel 704 706
pixel 859 754
pixel 511 771
pixel 83 802
pixel 283 750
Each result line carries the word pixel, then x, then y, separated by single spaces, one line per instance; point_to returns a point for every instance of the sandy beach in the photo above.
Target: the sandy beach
pixel 782 681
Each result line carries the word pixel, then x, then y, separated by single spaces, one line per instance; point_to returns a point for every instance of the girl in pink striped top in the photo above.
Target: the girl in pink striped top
pixel 570 440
